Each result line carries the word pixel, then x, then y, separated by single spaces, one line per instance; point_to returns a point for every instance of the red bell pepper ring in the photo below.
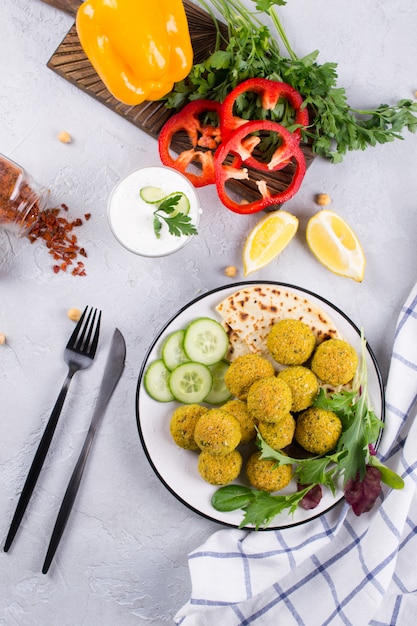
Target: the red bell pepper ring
pixel 204 140
pixel 236 152
pixel 271 92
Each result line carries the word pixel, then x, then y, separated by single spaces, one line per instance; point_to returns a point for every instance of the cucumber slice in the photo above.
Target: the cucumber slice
pixel 219 392
pixel 205 341
pixel 183 204
pixel 190 382
pixel 156 195
pixel 152 195
pixel 156 381
pixel 172 351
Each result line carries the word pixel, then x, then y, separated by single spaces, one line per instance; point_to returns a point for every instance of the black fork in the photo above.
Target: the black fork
pixel 78 354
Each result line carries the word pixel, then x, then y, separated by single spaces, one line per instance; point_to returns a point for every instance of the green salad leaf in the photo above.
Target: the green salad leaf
pixel 260 507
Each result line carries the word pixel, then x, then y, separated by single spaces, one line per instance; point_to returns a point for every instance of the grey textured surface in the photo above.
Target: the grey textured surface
pixel 123 559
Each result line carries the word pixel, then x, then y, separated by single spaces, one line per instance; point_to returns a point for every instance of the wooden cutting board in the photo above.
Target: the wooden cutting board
pixel 70 62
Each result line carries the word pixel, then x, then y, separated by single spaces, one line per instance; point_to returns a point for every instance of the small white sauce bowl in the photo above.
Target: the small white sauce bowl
pixel 131 218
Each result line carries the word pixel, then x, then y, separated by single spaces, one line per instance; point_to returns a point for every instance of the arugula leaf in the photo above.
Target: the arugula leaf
pixel 340 403
pixel 264 507
pixel 270 453
pixel 260 507
pixel 309 471
pixel 353 439
pixel 317 472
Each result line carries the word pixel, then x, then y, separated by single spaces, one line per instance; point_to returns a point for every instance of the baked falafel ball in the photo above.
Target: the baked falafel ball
pixel 266 475
pixel 217 432
pixel 280 434
pixel 219 470
pixel 290 342
pixel 303 384
pixel 239 410
pixel 335 362
pixel 244 371
pixel 182 425
pixel 269 399
pixel 317 430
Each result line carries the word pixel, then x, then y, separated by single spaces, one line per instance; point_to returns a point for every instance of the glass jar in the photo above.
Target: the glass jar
pixel 21 199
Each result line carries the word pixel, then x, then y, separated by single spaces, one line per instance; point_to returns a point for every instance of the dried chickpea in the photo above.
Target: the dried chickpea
pixel 2 339
pixel 64 137
pixel 74 314
pixel 323 199
pixel 230 270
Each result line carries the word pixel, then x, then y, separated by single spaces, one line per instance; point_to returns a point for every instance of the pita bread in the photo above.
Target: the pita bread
pixel 249 314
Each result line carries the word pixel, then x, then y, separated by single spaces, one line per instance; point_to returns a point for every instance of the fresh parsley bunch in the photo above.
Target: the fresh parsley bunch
pixel 251 51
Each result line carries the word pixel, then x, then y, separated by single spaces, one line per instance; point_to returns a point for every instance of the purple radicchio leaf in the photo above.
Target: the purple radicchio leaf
pixel 361 494
pixel 312 497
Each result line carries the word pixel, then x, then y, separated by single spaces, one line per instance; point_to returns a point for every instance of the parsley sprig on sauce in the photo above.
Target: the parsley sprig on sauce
pixel 178 223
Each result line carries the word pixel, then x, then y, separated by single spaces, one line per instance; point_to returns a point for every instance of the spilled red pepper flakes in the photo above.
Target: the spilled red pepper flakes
pixel 56 232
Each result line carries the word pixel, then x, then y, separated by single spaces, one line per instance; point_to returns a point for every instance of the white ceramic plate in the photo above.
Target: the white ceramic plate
pixel 177 468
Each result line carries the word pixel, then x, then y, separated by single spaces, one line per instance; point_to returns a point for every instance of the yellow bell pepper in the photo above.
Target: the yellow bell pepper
pixel 139 49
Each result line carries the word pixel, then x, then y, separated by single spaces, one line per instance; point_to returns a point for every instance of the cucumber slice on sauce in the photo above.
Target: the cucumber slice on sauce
pixel 156 195
pixel 219 392
pixel 205 341
pixel 190 382
pixel 172 351
pixel 156 381
pixel 152 195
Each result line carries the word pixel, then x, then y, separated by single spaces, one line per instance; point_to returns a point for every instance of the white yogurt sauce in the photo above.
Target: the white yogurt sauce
pixel 131 218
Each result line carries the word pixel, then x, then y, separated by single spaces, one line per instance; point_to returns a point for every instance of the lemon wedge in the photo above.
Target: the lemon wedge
pixel 267 239
pixel 334 244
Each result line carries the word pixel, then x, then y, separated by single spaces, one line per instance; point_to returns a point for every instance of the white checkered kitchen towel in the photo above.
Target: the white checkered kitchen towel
pixel 340 568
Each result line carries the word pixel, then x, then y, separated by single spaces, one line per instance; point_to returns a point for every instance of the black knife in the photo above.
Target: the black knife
pixel 113 371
